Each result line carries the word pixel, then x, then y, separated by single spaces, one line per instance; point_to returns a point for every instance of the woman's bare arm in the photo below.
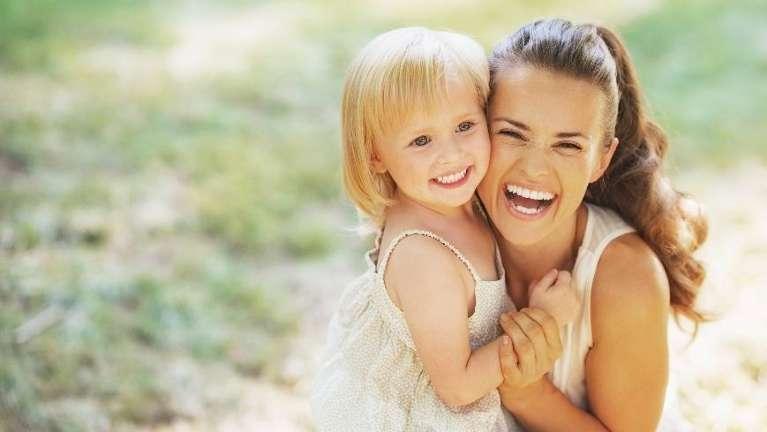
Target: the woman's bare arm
pixel 628 363
pixel 627 367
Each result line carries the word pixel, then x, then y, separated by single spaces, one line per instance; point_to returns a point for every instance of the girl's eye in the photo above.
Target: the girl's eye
pixel 421 141
pixel 465 126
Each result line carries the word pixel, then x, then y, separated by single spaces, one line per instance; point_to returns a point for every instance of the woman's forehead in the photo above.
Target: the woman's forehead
pixel 543 99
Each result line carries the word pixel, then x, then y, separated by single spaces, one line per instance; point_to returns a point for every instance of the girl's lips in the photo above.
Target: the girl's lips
pixel 456 184
pixel 524 216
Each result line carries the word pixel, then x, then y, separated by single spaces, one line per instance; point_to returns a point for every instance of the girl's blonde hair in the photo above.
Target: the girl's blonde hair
pixel 397 74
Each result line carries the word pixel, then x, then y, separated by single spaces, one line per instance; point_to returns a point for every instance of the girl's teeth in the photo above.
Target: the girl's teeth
pixel 527 193
pixel 452 178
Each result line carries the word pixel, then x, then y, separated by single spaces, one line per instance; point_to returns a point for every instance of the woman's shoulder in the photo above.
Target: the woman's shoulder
pixel 630 284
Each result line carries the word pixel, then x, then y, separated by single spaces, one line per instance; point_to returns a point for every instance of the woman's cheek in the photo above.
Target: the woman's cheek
pixel 574 177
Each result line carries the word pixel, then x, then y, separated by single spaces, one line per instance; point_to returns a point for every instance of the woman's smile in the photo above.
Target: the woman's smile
pixel 528 203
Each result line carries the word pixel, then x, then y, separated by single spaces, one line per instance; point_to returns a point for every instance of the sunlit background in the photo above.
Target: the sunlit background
pixel 173 236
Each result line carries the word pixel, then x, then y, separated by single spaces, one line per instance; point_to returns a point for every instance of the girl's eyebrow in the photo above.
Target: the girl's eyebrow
pixel 526 128
pixel 422 130
pixel 468 114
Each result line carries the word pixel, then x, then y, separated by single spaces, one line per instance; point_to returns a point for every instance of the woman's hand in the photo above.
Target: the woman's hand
pixel 528 351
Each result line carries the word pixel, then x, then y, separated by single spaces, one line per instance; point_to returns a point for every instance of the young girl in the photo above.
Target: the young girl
pixel 415 342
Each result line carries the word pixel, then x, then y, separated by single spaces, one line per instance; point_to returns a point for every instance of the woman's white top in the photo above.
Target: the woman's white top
pixel 569 374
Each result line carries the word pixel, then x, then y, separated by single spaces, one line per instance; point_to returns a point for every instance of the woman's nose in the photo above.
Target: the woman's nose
pixel 534 164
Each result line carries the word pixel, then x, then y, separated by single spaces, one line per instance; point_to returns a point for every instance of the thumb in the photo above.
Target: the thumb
pixel 507 358
pixel 505 345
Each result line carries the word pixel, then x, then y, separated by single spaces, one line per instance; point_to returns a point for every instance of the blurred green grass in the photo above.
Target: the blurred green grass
pixel 705 72
pixel 137 202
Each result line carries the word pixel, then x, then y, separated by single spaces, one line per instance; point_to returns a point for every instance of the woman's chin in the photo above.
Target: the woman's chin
pixel 520 228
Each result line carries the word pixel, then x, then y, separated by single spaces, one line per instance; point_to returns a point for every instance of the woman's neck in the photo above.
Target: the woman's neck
pixel 528 263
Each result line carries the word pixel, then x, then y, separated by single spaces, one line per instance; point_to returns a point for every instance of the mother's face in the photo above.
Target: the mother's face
pixel 547 138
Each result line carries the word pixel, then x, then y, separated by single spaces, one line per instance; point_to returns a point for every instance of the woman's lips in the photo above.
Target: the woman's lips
pixel 524 212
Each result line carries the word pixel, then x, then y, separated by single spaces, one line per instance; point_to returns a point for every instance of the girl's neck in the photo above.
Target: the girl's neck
pixel 528 263
pixel 436 216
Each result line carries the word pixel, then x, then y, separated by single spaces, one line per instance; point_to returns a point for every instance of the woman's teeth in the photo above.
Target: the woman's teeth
pixel 526 210
pixel 527 201
pixel 452 178
pixel 527 193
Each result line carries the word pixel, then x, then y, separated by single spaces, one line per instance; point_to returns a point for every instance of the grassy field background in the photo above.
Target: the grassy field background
pixel 172 231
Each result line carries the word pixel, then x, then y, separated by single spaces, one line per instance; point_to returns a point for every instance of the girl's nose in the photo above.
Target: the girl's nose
pixel 452 152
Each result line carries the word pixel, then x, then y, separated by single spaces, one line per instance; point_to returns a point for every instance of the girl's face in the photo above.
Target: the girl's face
pixel 438 159
pixel 547 138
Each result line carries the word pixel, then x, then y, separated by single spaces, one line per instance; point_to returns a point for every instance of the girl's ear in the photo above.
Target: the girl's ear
pixel 377 163
pixel 604 161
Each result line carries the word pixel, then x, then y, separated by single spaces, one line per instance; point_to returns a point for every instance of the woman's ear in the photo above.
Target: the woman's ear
pixel 377 163
pixel 604 161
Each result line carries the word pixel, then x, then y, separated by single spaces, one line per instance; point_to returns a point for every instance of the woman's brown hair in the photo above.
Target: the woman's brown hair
pixel 634 184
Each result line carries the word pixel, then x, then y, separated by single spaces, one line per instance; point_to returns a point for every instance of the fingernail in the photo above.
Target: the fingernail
pixel 504 317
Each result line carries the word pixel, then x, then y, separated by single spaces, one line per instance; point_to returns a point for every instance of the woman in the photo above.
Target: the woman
pixel 566 120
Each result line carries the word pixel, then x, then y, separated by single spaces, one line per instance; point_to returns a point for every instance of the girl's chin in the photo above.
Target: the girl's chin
pixel 456 197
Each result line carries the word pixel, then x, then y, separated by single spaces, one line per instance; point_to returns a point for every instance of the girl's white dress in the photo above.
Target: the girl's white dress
pixel 371 378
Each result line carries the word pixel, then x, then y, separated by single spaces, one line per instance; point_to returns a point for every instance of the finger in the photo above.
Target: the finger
pixel 523 347
pixel 563 278
pixel 545 281
pixel 534 332
pixel 506 323
pixel 550 329
pixel 509 367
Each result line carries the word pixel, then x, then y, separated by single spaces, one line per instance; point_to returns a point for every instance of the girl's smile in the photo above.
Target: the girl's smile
pixel 438 158
pixel 455 180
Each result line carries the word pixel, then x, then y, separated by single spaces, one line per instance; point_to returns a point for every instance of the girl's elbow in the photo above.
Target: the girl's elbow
pixel 455 397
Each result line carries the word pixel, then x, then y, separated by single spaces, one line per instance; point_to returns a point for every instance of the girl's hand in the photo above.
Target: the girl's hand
pixel 528 351
pixel 557 297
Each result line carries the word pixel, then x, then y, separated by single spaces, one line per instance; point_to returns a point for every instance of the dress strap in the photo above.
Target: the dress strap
pixel 407 233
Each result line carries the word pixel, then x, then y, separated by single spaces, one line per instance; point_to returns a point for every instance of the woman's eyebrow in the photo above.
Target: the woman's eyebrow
pixel 518 124
pixel 572 135
pixel 526 128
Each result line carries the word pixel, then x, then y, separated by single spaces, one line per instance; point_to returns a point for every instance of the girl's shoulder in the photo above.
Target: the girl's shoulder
pixel 419 250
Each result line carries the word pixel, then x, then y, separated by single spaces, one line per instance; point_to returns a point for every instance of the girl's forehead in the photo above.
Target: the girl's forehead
pixel 457 101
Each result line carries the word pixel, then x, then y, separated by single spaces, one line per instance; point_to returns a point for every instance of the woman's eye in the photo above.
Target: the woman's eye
pixel 421 141
pixel 465 126
pixel 510 133
pixel 569 146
